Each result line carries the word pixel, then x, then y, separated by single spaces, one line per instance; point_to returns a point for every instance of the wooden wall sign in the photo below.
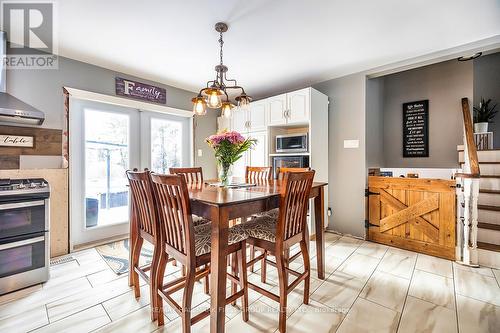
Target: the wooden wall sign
pixel 416 129
pixel 141 91
pixel 17 141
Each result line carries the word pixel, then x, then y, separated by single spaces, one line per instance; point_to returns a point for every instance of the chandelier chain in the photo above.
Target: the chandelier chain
pixel 221 42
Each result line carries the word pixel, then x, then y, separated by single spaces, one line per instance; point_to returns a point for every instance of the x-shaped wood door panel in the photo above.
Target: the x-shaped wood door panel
pixel 410 214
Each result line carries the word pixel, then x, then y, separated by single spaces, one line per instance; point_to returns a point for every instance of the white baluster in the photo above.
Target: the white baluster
pixel 474 216
pixel 460 222
pixel 467 195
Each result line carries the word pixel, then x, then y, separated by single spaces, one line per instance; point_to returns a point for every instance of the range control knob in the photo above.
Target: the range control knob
pixel 43 184
pixel 32 185
pixel 21 186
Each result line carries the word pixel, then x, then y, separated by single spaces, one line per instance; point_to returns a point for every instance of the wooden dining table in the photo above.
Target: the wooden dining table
pixel 220 205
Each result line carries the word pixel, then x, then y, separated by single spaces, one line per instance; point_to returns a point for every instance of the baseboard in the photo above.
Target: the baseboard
pixel 99 242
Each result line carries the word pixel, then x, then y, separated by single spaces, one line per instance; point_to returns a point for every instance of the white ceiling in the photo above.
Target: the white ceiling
pixel 271 46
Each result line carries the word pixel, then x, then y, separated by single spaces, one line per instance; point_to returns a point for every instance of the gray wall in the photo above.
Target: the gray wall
pixel 487 85
pixel 347 177
pixel 43 90
pixel 375 123
pixel 443 84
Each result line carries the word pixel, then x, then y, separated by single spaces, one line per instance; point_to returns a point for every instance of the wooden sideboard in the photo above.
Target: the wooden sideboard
pixel 413 214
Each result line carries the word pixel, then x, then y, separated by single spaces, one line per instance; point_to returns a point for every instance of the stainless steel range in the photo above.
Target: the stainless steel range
pixel 24 233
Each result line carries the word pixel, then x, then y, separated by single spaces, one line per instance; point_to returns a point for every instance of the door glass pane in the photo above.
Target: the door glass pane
pixel 166 145
pixel 106 160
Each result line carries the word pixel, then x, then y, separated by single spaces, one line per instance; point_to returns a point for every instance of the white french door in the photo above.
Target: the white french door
pixel 105 141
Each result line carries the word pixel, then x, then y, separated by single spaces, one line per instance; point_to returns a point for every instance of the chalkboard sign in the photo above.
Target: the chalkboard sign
pixel 416 129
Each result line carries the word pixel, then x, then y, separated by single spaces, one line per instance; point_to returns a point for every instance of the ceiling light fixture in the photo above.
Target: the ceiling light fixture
pixel 470 57
pixel 215 95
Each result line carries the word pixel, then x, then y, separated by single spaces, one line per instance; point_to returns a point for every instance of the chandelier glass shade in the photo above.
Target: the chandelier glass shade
pixel 215 94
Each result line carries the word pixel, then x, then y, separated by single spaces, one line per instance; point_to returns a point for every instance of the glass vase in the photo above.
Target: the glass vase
pixel 225 174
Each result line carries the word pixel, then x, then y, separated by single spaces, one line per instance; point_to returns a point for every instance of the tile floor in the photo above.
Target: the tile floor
pixel 369 288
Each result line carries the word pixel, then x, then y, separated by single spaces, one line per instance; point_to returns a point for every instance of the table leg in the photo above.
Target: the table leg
pixel 319 211
pixel 220 225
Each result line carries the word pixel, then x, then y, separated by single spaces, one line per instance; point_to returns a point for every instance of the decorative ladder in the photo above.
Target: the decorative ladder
pixel 467 196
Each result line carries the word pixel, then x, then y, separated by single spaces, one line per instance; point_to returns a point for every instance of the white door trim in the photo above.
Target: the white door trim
pixel 125 102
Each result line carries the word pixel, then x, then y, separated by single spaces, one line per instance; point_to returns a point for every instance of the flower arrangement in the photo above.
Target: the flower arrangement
pixel 229 147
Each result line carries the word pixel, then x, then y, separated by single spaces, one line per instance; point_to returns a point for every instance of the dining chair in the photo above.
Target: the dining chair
pixel 143 226
pixel 273 213
pixel 258 174
pixel 190 245
pixel 277 236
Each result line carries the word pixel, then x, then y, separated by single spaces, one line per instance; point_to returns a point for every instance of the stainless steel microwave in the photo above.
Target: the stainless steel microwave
pixel 292 143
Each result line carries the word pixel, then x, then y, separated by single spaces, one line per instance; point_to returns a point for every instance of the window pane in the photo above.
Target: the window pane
pixel 106 160
pixel 166 144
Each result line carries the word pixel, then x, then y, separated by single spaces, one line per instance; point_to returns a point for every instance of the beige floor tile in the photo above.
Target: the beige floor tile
pixel 315 317
pixel 62 273
pixel 331 238
pixel 372 249
pixel 99 278
pixel 45 295
pixel 81 322
pixel 477 316
pixel 359 265
pixel 433 288
pixel 25 321
pixel 397 263
pixel 425 317
pixel 75 303
pixel 339 291
pixel 124 304
pixel 135 322
pixel 343 248
pixel 478 270
pixel 366 316
pixel 477 286
pixel 387 290
pixel 434 265
pixel 262 318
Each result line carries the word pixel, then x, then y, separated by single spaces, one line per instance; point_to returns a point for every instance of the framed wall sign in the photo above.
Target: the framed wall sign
pixel 17 141
pixel 416 129
pixel 141 91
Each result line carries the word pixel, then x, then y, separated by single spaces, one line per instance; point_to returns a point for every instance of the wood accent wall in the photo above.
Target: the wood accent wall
pixel 48 142
pixel 59 206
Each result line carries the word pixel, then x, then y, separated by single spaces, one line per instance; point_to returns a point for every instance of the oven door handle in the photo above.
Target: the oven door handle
pixel 22 204
pixel 22 243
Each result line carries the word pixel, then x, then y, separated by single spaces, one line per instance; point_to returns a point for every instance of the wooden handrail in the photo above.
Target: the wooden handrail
pixel 469 139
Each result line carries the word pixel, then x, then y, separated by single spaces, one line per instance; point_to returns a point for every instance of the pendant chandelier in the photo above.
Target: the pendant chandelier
pixel 215 95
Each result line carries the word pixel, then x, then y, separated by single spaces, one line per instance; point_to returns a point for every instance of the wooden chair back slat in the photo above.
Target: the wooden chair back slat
pixel 294 202
pixel 281 171
pixel 191 175
pixel 143 204
pixel 257 174
pixel 174 212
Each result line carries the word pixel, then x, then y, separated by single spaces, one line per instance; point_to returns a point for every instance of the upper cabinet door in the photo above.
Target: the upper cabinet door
pixel 298 106
pixel 257 116
pixel 258 155
pixel 240 121
pixel 277 108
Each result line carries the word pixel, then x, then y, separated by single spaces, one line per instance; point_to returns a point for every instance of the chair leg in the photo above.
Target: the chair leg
pixel 234 271
pixel 187 299
pixel 206 283
pixel 131 271
pixel 252 256
pixel 307 268
pixel 287 262
pixel 242 268
pixel 135 263
pixel 263 268
pixel 283 285
pixel 160 271
pixel 152 278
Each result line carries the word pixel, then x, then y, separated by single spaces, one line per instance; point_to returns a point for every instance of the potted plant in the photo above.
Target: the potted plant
pixel 483 115
pixel 229 147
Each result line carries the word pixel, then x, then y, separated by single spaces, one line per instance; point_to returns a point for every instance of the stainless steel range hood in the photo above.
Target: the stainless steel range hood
pixel 12 109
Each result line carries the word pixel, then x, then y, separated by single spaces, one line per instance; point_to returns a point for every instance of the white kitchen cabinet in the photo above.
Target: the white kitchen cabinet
pixel 277 107
pixel 257 116
pixel 239 121
pixel 258 155
pixel 298 106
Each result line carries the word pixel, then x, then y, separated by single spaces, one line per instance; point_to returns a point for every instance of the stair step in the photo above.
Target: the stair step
pixel 489 191
pixel 488 207
pixel 490 176
pixel 488 246
pixel 489 226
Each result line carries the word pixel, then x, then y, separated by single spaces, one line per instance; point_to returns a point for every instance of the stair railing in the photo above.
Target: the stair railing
pixel 467 195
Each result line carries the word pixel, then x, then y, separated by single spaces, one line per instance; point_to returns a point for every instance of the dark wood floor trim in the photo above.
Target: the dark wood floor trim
pixel 488 207
pixel 490 226
pixel 488 246
pixel 489 191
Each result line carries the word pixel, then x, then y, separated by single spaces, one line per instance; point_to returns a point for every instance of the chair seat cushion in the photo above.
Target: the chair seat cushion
pixel 273 213
pixel 198 220
pixel 202 237
pixel 263 227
